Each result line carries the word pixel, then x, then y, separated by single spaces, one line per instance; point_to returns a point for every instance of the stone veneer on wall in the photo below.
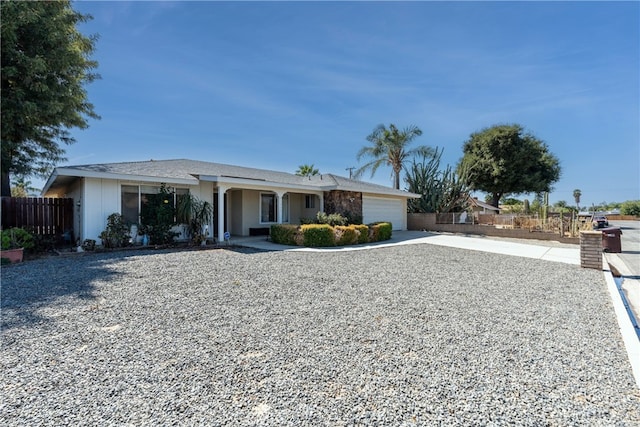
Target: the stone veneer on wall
pixel 343 202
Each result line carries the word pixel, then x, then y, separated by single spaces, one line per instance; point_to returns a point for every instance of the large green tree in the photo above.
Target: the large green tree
pixel 46 62
pixel 391 147
pixel 504 159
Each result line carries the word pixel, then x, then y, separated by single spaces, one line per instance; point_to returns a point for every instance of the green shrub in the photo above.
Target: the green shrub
pixel 345 235
pixel 363 230
pixel 352 218
pixel 116 234
pixel 43 243
pixel 15 238
pixel 380 231
pixel 331 219
pixel 317 235
pixel 283 234
pixel 630 207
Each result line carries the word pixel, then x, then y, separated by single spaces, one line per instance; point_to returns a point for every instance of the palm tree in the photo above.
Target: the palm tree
pixel 576 195
pixel 307 170
pixel 389 147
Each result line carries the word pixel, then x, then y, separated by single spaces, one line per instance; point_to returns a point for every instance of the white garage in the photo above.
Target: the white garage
pixel 376 209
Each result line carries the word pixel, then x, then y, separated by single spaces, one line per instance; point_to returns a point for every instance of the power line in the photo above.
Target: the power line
pixel 350 171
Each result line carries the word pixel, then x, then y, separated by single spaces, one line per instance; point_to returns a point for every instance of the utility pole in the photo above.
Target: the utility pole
pixel 350 171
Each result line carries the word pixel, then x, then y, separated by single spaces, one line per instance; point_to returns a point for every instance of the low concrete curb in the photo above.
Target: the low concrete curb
pixel 629 337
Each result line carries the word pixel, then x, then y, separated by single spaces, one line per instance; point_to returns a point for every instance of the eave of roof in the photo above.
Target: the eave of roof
pixel 190 172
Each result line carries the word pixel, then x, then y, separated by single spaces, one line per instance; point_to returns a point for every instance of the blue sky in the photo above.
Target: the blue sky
pixel 278 84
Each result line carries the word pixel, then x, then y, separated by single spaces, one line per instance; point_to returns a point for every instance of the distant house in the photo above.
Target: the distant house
pixel 481 207
pixel 244 199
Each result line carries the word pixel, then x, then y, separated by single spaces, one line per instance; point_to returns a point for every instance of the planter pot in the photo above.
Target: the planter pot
pixel 14 255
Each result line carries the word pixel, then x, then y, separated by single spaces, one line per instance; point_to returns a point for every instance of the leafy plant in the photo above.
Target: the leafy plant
pixel 116 235
pixel 630 207
pixel 15 238
pixel 331 219
pixel 441 190
pixel 158 215
pixel 197 215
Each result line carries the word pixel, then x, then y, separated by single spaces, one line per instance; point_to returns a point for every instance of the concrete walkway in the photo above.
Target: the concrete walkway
pixel 538 249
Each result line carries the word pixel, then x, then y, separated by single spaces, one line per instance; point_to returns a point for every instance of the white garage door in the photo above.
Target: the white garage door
pixel 376 209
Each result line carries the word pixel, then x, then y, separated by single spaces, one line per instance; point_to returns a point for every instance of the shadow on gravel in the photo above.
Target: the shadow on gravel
pixel 31 286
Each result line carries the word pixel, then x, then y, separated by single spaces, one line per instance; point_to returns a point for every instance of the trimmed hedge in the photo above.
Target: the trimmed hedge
pixel 380 231
pixel 363 233
pixel 345 235
pixel 324 235
pixel 284 234
pixel 317 235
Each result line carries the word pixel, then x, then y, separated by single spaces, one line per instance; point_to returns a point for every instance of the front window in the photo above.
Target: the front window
pixel 135 197
pixel 268 207
pixel 130 206
pixel 309 201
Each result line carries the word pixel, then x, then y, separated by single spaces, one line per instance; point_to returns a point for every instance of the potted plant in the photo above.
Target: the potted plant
pixel 14 242
pixel 196 214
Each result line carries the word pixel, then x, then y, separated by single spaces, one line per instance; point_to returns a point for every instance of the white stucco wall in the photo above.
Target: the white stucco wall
pixel 251 211
pixel 100 198
pixel 296 204
pixel 235 219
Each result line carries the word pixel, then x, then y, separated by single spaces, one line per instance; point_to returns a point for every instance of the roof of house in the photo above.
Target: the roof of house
pixel 191 172
pixel 478 203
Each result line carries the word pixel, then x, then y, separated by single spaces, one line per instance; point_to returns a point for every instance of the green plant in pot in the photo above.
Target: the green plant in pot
pixel 14 242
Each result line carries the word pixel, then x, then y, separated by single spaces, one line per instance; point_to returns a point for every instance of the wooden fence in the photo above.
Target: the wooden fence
pixel 39 215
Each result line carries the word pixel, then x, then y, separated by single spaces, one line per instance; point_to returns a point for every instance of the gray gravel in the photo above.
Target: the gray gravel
pixel 400 336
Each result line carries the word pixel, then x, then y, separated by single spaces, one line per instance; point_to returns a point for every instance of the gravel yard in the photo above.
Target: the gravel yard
pixel 399 336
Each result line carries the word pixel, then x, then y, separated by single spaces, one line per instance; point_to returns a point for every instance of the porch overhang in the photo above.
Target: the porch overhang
pixel 259 184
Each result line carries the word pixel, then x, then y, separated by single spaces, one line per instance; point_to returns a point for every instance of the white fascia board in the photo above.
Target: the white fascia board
pixel 406 195
pixel 49 182
pixel 258 184
pixel 123 177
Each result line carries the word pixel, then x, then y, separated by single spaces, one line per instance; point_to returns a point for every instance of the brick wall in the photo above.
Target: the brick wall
pixel 591 249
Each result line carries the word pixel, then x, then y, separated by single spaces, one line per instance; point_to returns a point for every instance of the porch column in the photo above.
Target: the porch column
pixel 321 197
pixel 221 191
pixel 280 196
